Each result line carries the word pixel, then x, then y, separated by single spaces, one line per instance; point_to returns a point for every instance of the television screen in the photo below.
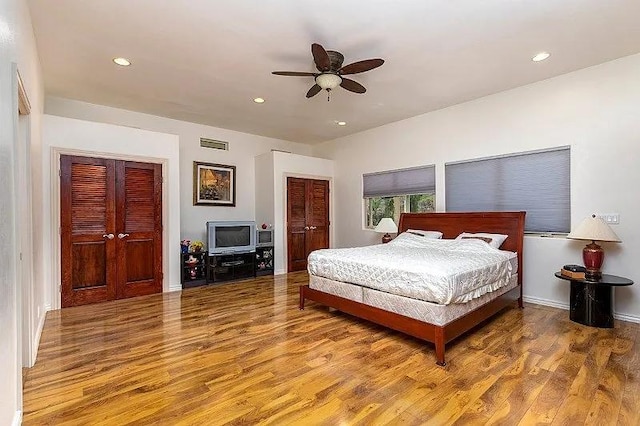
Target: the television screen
pixel 233 236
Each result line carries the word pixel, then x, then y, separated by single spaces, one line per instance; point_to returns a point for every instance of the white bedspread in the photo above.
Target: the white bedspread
pixel 440 271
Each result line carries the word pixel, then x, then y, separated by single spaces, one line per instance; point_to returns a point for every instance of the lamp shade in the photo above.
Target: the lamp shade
pixel 386 226
pixel 328 80
pixel 595 229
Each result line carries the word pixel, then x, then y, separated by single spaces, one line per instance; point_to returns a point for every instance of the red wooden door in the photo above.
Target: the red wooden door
pixel 88 246
pixel 307 220
pixel 139 227
pixel 111 229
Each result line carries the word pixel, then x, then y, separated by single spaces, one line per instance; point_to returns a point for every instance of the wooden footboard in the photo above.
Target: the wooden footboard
pixel 438 335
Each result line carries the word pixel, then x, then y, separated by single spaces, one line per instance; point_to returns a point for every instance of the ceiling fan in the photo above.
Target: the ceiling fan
pixel 329 63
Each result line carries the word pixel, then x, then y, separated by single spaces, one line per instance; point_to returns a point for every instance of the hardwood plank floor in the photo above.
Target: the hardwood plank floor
pixel 243 353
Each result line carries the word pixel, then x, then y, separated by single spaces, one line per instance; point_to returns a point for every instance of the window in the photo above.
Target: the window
pixel 387 194
pixel 537 182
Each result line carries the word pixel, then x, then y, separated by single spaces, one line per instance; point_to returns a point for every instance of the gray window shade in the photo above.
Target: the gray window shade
pixel 416 180
pixel 536 182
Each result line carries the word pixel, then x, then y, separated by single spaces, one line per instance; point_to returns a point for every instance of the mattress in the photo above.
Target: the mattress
pixel 431 270
pixel 417 309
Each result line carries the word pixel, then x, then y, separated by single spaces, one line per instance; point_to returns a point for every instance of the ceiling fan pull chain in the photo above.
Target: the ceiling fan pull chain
pixel 328 95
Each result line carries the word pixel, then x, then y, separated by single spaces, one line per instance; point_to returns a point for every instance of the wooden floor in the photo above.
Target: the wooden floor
pixel 243 353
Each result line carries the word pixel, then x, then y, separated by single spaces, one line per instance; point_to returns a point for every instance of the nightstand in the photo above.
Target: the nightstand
pixel 591 302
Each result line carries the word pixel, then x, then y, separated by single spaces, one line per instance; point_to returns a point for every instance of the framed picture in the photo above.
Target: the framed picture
pixel 214 184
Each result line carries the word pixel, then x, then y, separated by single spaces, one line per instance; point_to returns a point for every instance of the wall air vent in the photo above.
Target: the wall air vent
pixel 214 144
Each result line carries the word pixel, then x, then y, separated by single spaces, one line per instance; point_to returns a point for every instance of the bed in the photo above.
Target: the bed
pixel 403 311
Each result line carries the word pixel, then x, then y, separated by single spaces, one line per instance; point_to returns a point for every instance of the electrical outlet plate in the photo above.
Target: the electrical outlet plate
pixel 610 218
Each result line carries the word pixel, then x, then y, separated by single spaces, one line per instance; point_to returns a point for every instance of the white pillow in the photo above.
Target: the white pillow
pixel 496 240
pixel 426 234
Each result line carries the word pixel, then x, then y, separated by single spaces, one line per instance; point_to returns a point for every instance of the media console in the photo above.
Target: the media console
pixel 229 267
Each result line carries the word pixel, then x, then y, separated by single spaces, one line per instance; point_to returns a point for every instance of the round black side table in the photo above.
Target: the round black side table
pixel 591 302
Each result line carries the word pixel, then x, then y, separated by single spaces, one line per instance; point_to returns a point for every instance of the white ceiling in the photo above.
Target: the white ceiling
pixel 204 61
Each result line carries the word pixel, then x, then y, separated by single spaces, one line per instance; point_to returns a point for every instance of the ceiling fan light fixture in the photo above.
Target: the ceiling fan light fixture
pixel 328 81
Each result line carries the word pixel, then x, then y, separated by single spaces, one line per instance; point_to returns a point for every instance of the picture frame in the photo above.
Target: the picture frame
pixel 214 184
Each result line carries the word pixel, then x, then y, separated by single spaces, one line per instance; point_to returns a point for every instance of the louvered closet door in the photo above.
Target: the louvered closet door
pixel 139 225
pixel 307 220
pixel 88 246
pixel 111 229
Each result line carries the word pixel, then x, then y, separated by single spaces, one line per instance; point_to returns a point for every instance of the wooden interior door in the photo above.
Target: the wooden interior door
pixel 307 220
pixel 88 246
pixel 139 226
pixel 111 233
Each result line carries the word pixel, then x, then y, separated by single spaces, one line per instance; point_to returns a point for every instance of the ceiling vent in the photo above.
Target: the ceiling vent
pixel 214 144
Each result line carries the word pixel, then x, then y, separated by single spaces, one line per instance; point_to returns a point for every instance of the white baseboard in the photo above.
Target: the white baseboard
pixel 626 317
pixel 279 272
pixel 565 306
pixel 17 418
pixel 36 338
pixel 174 287
pixel 546 302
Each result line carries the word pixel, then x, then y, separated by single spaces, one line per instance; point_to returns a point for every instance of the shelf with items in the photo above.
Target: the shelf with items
pixel 264 260
pixel 193 269
pixel 230 267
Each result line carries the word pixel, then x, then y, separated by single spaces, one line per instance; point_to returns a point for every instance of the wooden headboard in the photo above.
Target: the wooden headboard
pixel 453 224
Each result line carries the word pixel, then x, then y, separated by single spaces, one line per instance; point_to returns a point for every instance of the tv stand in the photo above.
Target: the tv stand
pixel 230 267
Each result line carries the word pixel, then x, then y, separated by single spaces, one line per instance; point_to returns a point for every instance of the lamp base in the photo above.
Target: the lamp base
pixel 593 256
pixel 386 238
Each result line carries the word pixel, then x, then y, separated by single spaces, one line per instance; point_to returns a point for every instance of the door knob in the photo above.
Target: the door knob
pixel 121 236
pixel 306 228
pixel 313 227
pixel 109 236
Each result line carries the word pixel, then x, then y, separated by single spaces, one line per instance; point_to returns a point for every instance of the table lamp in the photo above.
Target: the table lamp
pixel 386 226
pixel 595 229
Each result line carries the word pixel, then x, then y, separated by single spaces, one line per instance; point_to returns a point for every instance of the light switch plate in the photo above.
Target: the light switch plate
pixel 610 218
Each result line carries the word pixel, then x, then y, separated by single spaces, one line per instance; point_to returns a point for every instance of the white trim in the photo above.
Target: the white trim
pixel 36 339
pixel 627 317
pixel 565 306
pixel 175 287
pixel 280 272
pixel 546 302
pixel 17 418
pixel 56 152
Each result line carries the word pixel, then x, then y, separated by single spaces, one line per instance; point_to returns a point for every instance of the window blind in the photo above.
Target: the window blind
pixel 537 182
pixel 416 180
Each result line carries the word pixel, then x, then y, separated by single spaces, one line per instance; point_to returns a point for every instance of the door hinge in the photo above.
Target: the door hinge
pixel 59 172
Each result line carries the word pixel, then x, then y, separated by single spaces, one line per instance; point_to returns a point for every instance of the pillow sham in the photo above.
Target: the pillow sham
pixel 426 234
pixel 496 240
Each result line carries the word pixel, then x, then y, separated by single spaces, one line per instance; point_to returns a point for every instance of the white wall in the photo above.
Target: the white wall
pixel 595 110
pixel 272 170
pixel 243 148
pixel 106 140
pixel 17 50
pixel 31 74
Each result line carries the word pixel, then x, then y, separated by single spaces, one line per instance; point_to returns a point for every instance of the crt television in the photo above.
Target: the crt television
pixel 231 237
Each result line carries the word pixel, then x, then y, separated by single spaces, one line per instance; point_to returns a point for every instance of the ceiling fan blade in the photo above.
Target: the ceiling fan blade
pixel 315 89
pixel 294 73
pixel 320 57
pixel 360 66
pixel 352 86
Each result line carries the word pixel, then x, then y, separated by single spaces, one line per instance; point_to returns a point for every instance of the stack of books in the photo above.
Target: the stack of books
pixel 573 271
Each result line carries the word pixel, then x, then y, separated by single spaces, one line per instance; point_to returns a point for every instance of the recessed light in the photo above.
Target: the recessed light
pixel 123 62
pixel 341 123
pixel 258 100
pixel 540 56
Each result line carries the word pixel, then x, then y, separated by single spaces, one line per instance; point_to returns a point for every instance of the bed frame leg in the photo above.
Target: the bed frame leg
pixel 301 305
pixel 520 303
pixel 439 342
